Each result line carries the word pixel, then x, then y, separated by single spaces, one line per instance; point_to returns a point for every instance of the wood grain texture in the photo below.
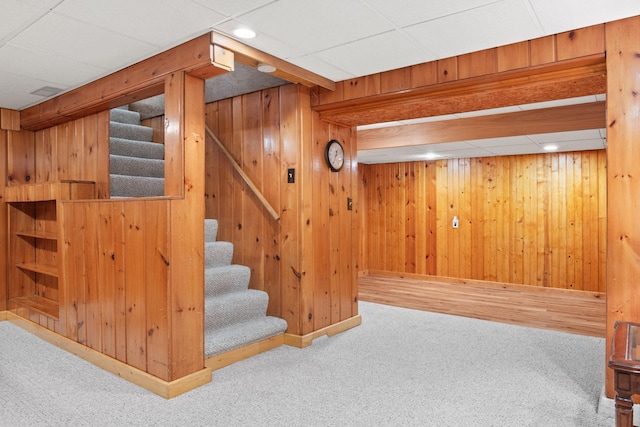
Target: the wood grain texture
pixel 534 219
pixel 410 92
pixel 581 312
pixel 298 260
pixel 623 154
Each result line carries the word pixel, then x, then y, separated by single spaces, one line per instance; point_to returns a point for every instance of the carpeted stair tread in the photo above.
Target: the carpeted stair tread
pixel 135 166
pixel 136 186
pixel 210 230
pixel 217 254
pixel 225 279
pixel 133 148
pixel 234 307
pixel 131 131
pixel 125 116
pixel 243 334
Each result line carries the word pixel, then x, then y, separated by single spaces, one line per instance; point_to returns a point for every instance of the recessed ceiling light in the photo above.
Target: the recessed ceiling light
pixel 550 147
pixel 432 156
pixel 244 33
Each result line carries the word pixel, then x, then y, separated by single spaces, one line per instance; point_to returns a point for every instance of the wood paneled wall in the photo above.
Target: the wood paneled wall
pixel 538 220
pixel 296 260
pixel 115 263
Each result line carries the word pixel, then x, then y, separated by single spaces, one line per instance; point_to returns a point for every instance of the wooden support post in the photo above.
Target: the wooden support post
pixel 623 153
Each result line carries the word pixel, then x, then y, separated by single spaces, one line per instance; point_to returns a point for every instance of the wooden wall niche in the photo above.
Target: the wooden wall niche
pixel 537 220
pixel 296 260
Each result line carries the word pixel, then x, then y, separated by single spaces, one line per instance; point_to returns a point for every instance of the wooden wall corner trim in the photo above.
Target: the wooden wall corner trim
pixel 302 341
pixel 166 389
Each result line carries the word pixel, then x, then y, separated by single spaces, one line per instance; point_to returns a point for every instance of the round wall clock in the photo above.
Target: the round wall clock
pixel 334 155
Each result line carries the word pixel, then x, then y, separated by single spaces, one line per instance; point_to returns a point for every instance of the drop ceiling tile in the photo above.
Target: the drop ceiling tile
pixel 414 11
pixel 585 144
pixel 233 7
pixel 180 20
pixel 501 142
pixel 61 72
pixel 374 54
pixel 83 42
pixel 262 41
pixel 465 154
pixel 17 102
pixel 470 31
pixel 320 67
pixel 15 16
pixel 449 146
pixel 559 16
pixel 313 25
pixel 578 135
pixel 515 150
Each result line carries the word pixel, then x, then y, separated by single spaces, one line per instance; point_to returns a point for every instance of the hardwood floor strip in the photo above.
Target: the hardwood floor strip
pixel 577 312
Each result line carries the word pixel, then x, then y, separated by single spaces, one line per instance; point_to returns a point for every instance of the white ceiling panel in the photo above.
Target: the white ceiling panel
pixel 13 101
pixel 15 16
pixel 233 7
pixel 390 50
pixel 477 29
pixel 165 22
pixel 501 142
pixel 263 41
pixel 63 72
pixel 578 135
pixel 324 68
pixel 415 11
pixel 328 23
pixel 559 16
pixel 66 37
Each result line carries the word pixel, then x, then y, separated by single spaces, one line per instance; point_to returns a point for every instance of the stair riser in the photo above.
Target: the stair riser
pixel 222 280
pixel 125 116
pixel 132 148
pixel 133 166
pixel 128 131
pixel 217 254
pixel 221 312
pixel 128 186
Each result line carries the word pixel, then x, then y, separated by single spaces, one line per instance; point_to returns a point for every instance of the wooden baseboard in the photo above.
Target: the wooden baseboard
pixel 166 389
pixel 302 341
pixel 3 315
pixel 233 356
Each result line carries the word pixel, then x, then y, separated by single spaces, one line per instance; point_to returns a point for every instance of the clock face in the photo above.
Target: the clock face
pixel 334 154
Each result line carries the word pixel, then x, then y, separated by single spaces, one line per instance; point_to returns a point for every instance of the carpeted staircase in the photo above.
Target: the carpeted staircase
pixel 136 163
pixel 235 316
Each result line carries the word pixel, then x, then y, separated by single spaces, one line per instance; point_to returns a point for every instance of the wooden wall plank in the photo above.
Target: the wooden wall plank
pixel 623 192
pixel 521 218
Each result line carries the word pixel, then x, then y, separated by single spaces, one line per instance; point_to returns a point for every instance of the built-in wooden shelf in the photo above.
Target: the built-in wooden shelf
pixel 59 190
pixel 44 235
pixel 39 304
pixel 49 270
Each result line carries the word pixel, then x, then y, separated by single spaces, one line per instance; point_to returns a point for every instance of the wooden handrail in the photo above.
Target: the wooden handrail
pixel 244 176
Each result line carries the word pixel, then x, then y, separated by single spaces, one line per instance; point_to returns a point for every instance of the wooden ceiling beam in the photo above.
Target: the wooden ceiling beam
pixel 558 119
pixel 251 57
pixel 573 78
pixel 138 81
